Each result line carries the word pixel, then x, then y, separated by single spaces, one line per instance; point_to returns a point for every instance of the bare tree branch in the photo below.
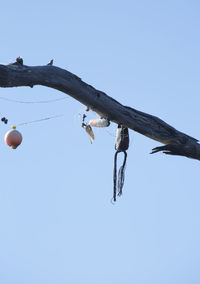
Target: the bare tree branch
pixel 177 143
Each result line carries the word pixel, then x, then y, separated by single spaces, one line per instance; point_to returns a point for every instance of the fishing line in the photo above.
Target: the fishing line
pixel 110 133
pixel 13 137
pixel 38 120
pixel 5 120
pixel 33 102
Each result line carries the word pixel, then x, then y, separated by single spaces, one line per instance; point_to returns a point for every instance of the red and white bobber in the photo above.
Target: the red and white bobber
pixel 13 138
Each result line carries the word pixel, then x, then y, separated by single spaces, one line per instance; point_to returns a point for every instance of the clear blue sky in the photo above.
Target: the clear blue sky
pixel 57 224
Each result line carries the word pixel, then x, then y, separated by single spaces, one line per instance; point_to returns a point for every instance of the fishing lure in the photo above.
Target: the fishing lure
pixel 121 145
pixel 99 122
pixel 88 129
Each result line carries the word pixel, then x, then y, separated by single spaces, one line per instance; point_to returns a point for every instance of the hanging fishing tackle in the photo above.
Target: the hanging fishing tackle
pixel 99 122
pixel 13 138
pixel 121 145
pixel 88 129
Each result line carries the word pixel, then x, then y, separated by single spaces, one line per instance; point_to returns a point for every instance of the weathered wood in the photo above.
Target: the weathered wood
pixel 177 143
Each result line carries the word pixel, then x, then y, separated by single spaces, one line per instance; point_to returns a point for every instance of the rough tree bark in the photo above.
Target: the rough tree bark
pixel 176 142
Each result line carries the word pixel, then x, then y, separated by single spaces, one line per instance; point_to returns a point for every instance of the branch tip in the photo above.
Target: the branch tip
pixel 50 62
pixel 19 60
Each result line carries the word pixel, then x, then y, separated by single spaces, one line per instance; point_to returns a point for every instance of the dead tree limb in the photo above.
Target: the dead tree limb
pixel 177 143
